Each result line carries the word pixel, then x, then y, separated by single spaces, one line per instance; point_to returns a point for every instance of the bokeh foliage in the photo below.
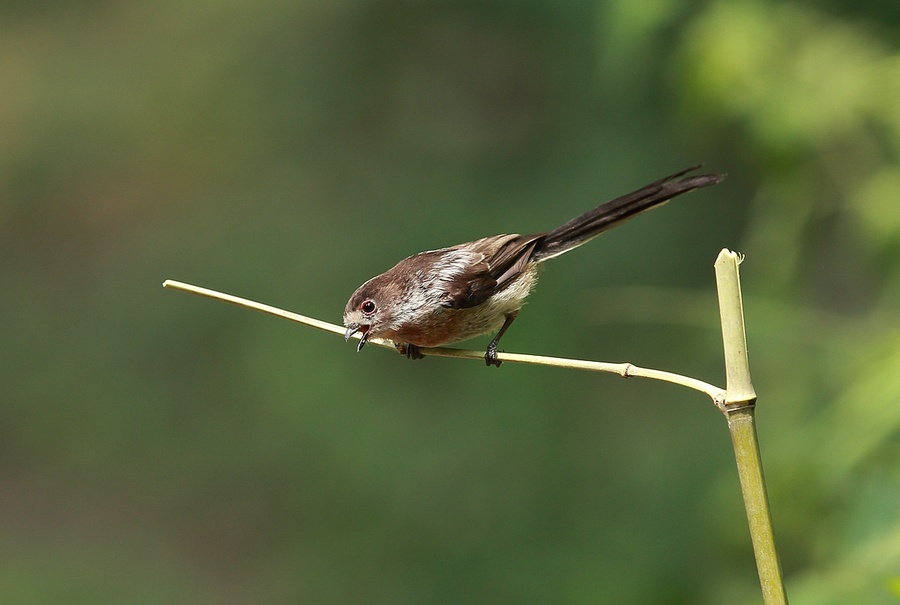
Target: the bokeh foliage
pixel 163 449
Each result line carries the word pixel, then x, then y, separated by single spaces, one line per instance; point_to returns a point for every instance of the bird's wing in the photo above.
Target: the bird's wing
pixel 495 262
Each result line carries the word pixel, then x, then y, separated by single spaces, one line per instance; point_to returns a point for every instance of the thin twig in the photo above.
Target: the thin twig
pixel 625 370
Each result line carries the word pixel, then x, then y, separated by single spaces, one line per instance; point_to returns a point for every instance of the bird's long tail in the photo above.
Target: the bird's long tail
pixel 592 223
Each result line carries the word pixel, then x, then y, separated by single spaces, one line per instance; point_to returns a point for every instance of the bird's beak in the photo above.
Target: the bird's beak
pixel 352 329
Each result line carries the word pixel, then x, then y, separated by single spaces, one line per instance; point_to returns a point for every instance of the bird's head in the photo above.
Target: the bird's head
pixel 369 310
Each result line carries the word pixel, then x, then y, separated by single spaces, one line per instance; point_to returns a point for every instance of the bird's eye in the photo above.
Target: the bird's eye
pixel 368 307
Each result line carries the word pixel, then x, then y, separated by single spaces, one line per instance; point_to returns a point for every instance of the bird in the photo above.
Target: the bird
pixel 449 295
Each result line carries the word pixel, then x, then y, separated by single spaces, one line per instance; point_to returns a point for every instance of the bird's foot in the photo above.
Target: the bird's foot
pixel 410 350
pixel 490 356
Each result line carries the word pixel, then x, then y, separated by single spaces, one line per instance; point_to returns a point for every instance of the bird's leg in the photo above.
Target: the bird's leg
pixel 410 350
pixel 490 355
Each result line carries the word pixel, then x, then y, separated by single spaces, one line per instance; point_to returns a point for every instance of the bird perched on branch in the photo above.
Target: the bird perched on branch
pixel 444 296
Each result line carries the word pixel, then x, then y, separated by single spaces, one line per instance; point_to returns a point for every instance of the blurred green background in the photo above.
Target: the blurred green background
pixel 162 448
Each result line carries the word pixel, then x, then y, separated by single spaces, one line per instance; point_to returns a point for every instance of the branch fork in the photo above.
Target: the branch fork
pixel 737 400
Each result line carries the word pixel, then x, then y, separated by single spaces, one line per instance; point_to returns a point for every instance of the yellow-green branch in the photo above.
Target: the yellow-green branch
pixel 625 370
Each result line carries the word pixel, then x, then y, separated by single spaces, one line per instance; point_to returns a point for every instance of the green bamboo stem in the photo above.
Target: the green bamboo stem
pixel 739 409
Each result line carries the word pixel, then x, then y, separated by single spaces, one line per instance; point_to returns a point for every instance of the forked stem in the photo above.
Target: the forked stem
pixel 737 401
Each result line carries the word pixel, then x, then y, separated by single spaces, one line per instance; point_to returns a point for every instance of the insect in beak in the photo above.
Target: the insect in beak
pixel 353 329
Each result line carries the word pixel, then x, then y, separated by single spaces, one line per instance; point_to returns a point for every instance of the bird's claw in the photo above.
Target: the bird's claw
pixel 490 356
pixel 410 350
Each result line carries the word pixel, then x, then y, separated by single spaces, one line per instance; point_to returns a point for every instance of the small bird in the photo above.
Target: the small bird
pixel 453 294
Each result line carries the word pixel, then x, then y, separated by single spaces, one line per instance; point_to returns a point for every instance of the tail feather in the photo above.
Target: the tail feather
pixel 592 223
